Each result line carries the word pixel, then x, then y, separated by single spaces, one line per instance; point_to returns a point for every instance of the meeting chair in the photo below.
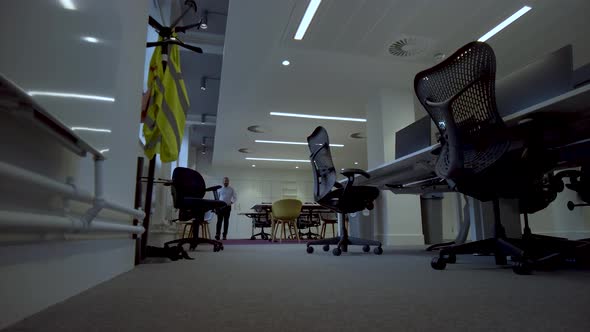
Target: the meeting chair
pixel 480 157
pixel 343 199
pixel 284 216
pixel 261 221
pixel 188 189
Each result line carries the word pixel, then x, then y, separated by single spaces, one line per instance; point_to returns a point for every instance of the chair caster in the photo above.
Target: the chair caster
pixel 451 259
pixel 252 237
pixel 326 247
pixel 377 250
pixel 438 263
pixel 337 252
pixel 522 268
pixel 366 248
pixel 309 250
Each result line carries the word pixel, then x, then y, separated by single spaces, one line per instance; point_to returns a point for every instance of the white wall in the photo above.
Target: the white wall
pixel 47 53
pixel 396 218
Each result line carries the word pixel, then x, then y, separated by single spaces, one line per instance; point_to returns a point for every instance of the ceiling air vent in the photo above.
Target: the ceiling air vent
pixel 409 46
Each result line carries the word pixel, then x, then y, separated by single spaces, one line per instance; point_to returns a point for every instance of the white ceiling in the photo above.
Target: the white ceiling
pixel 343 60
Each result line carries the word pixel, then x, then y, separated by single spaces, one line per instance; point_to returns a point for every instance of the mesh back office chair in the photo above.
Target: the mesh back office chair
pixel 332 195
pixel 188 190
pixel 478 156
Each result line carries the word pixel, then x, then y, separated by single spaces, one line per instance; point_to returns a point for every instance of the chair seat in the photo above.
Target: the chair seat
pixel 195 203
pixel 354 199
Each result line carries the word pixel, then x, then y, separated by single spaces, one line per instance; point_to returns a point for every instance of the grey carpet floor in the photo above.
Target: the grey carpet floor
pixel 281 288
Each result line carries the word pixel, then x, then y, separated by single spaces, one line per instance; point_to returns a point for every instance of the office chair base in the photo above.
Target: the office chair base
pixel 217 246
pixel 438 246
pixel 263 236
pixel 342 243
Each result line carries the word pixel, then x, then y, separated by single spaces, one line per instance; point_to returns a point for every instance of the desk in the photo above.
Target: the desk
pixel 414 173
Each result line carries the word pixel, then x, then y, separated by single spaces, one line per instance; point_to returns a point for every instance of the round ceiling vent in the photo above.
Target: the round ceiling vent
pixel 245 150
pixel 257 129
pixel 358 136
pixel 409 46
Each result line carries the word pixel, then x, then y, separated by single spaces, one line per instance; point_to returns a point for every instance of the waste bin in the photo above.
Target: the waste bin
pixel 432 218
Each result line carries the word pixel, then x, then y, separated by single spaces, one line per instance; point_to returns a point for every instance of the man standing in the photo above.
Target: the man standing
pixel 228 195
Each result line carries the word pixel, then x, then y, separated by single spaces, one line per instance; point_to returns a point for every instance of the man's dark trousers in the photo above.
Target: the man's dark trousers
pixel 223 217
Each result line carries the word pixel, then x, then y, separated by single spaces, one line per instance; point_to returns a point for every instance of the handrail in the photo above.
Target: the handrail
pixel 15 100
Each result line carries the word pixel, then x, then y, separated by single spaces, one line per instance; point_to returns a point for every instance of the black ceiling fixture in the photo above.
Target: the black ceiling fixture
pixel 166 32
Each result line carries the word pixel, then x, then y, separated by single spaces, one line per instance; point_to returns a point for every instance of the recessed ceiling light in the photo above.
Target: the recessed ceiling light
pixel 296 166
pixel 69 95
pixel 306 20
pixel 276 159
pixel 286 62
pixel 356 162
pixel 90 39
pixel 92 129
pixel 257 129
pixel 322 117
pixel 293 143
pixel 67 4
pixel 505 23
pixel 342 169
pixel 253 165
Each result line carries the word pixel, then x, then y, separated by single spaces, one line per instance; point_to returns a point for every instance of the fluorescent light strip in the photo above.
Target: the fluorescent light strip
pixel 293 143
pixel 70 95
pixel 504 24
pixel 68 4
pixel 322 117
pixel 306 20
pixel 104 150
pixel 92 129
pixel 274 159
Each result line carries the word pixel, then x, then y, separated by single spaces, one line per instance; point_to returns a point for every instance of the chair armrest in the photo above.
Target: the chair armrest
pixel 350 172
pixel 213 188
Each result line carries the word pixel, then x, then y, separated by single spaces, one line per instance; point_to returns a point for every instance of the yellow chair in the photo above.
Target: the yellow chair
pixel 285 213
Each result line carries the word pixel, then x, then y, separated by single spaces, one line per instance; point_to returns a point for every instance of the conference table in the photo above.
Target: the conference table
pixel 308 210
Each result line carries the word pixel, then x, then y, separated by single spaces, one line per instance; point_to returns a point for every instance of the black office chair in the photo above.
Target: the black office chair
pixel 482 158
pixel 188 190
pixel 332 195
pixel 261 221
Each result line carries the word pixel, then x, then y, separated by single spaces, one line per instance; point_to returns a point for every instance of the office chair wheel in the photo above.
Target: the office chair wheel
pixel 310 250
pixel 438 263
pixel 366 248
pixel 451 259
pixel 337 252
pixel 252 237
pixel 522 268
pixel 377 250
pixel 326 247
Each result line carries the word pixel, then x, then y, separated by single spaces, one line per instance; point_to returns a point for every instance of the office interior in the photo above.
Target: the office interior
pixel 83 67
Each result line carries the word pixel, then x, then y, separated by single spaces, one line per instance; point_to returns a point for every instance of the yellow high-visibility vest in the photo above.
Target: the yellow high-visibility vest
pixel 164 122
